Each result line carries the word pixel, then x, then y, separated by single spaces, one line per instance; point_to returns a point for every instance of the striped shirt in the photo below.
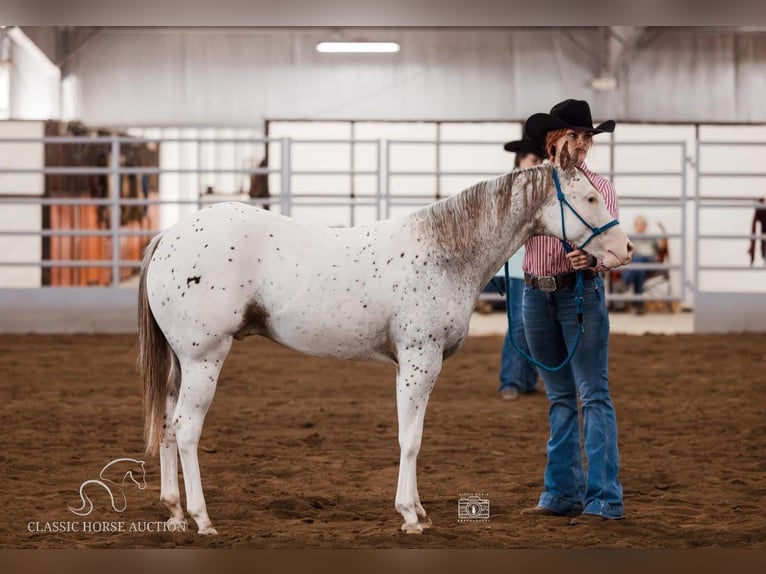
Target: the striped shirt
pixel 545 255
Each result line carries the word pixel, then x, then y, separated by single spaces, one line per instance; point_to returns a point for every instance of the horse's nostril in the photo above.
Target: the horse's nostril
pixel 630 247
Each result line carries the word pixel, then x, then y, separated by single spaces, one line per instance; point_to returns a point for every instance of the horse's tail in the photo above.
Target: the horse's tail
pixel 157 363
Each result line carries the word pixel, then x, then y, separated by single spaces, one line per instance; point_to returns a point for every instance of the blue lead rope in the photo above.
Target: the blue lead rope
pixel 579 301
pixel 579 287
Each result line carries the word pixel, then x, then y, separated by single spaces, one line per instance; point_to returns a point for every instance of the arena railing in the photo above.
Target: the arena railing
pixel 382 198
pixel 735 201
pixel 730 294
pixel 114 170
pixel 676 200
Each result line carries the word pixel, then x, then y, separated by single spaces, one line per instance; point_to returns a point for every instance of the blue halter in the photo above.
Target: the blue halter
pixel 579 300
pixel 562 202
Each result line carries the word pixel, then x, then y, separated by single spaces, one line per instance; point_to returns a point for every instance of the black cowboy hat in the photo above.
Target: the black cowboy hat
pixel 573 114
pixel 524 146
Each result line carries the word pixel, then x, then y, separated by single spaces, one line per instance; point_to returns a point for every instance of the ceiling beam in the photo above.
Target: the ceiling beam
pixel 621 42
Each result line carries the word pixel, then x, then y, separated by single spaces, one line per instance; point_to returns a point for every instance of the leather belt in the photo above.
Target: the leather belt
pixel 555 282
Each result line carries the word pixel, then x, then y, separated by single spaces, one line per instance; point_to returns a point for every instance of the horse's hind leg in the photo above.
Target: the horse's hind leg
pixel 199 376
pixel 169 493
pixel 414 381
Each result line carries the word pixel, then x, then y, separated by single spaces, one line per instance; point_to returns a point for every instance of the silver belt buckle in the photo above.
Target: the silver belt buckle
pixel 546 283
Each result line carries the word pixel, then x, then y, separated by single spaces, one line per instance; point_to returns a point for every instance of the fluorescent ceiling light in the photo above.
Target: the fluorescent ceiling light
pixel 357 47
pixel 604 84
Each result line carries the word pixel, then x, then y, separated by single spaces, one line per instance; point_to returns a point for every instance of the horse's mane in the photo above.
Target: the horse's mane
pixel 464 219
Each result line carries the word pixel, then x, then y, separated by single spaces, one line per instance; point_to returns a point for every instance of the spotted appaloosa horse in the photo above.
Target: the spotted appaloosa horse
pixel 400 290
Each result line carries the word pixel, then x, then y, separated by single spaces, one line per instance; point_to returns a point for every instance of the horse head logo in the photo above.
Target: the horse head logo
pixel 122 469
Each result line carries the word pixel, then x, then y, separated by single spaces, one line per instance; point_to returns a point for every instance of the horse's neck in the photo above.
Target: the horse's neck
pixel 495 218
pixel 518 216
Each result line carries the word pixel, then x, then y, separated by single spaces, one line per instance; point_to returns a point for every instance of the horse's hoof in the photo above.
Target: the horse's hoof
pixel 207 531
pixel 412 528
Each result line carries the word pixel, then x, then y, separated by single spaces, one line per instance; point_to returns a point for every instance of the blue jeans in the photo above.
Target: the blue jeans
pixel 550 320
pixel 637 276
pixel 515 371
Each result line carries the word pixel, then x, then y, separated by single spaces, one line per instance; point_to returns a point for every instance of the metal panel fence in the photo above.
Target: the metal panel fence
pixel 380 197
pixel 713 205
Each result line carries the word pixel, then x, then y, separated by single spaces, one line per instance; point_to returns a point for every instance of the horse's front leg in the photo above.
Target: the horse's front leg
pixel 414 380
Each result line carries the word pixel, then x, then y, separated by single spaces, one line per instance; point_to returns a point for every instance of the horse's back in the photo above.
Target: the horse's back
pixel 233 270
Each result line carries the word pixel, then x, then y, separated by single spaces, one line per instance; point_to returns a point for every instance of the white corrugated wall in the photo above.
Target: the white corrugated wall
pixel 241 76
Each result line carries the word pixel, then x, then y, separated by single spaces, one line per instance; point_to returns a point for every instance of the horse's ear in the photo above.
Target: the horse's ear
pixel 566 161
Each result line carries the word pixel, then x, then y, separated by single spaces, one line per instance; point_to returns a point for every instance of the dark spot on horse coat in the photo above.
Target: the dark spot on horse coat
pixel 195 279
pixel 255 320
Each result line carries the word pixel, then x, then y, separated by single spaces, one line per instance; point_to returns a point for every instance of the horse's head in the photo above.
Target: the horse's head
pixel 587 223
pixel 136 474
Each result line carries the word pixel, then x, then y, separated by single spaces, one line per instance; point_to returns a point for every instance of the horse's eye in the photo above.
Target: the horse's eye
pixel 592 199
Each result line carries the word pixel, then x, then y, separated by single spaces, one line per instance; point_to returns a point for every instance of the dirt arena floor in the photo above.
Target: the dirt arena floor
pixel 299 452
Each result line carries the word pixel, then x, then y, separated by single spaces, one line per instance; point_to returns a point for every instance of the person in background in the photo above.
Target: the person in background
pixel 759 218
pixel 259 185
pixel 517 375
pixel 646 251
pixel 551 326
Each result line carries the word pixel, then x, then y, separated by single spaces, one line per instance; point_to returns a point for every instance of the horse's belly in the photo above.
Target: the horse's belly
pixel 328 336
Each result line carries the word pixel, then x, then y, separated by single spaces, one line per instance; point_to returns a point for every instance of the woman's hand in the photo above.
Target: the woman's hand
pixel 580 260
